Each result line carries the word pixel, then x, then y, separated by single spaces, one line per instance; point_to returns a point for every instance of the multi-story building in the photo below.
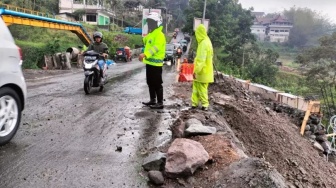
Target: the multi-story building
pixel 274 29
pixel 92 13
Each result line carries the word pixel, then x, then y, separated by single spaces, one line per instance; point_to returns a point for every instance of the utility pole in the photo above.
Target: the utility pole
pixel 72 6
pixel 166 22
pixel 205 1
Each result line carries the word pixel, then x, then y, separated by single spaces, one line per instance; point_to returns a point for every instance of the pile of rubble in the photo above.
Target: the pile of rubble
pixel 184 155
pixel 315 131
pixel 266 132
pixel 205 153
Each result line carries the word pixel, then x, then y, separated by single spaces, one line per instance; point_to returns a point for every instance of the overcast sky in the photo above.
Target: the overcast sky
pixel 325 7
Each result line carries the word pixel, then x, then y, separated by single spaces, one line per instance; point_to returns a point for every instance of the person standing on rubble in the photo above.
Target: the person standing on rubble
pixel 153 55
pixel 203 69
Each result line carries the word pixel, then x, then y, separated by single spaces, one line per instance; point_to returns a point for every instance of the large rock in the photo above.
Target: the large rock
pixel 193 122
pixel 318 146
pixel 154 161
pixel 195 127
pixel 184 156
pixel 200 130
pixel 326 147
pixel 156 177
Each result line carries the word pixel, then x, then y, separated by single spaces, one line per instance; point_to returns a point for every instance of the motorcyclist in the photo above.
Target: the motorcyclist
pixel 179 51
pixel 100 47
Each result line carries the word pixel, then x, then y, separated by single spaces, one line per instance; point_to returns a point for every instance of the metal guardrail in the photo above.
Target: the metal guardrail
pixel 24 10
pixel 13 11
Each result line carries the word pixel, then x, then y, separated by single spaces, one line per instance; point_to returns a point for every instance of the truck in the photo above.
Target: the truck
pixel 133 30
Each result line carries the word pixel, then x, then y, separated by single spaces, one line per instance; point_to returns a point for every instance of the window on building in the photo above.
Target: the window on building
pixel 91 18
pixel 287 31
pixel 258 30
pixel 277 31
pixel 281 31
pixel 272 30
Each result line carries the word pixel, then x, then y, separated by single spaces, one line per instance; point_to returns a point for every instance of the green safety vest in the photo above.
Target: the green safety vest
pixel 155 47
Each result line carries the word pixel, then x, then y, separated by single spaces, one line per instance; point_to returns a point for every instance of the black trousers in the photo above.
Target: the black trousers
pixel 154 82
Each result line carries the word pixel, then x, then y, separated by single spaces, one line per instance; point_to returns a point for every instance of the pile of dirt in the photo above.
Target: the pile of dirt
pixel 250 172
pixel 265 134
pixel 272 136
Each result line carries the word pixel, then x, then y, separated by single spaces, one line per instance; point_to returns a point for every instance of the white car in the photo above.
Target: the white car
pixel 13 90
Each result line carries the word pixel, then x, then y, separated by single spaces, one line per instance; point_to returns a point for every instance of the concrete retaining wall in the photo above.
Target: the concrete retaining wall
pixel 269 93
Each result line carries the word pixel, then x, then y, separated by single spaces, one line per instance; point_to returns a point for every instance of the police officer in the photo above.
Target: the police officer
pixel 153 55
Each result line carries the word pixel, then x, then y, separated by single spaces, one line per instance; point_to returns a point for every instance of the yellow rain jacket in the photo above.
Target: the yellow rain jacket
pixel 203 67
pixel 155 47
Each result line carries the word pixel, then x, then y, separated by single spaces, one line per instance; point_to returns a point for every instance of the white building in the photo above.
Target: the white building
pixel 275 29
pixel 71 6
pixel 93 14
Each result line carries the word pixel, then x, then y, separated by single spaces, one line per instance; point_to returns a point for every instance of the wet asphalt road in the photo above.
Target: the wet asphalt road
pixel 69 139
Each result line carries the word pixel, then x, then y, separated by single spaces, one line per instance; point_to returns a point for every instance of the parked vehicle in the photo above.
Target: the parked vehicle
pixel 123 54
pixel 13 90
pixel 170 54
pixel 187 37
pixel 133 30
pixel 92 71
pixel 184 45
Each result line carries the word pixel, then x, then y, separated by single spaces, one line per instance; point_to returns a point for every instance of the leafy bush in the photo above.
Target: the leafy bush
pixel 33 53
pixel 116 40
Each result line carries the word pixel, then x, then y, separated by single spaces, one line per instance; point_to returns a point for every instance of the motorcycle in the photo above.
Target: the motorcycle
pixel 92 71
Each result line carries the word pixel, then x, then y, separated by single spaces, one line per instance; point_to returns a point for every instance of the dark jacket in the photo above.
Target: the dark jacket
pixel 98 47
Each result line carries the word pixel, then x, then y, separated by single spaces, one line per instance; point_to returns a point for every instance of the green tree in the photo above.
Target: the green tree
pixel 229 22
pixel 321 75
pixel 261 68
pixel 45 6
pixel 308 26
pixel 229 31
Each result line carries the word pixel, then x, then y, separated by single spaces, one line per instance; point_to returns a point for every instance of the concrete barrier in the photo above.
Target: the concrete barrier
pixel 266 92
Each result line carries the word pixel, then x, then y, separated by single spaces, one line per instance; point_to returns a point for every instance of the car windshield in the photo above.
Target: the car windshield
pixel 169 47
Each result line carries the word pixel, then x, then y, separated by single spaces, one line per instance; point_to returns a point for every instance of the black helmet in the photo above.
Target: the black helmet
pixel 97 34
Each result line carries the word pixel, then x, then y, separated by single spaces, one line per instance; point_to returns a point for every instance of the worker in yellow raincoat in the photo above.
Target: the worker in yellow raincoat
pixel 203 69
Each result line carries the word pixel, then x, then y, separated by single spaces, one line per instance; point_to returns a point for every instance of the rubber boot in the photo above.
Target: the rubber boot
pixel 152 96
pixel 149 103
pixel 159 105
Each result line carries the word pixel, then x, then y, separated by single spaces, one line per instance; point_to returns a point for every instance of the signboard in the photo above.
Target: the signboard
pixel 145 13
pixel 198 21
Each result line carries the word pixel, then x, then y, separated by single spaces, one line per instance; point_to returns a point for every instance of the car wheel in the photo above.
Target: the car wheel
pixel 10 114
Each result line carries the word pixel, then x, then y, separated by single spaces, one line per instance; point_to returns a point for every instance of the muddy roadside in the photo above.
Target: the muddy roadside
pixel 254 145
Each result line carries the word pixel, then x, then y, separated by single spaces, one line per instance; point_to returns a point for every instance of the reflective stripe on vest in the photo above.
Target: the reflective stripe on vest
pixel 155 60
